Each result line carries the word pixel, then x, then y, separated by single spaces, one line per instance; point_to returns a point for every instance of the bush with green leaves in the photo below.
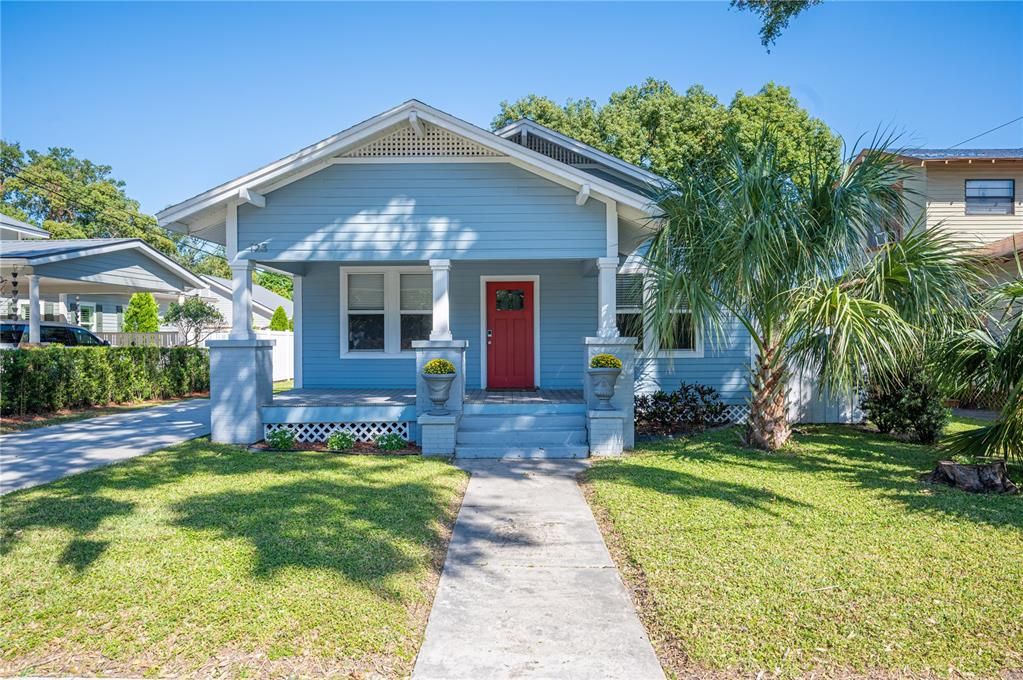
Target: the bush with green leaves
pixel 438 367
pixel 279 321
pixel 690 408
pixel 910 402
pixel 391 442
pixel 195 318
pixel 46 379
pixel 281 440
pixel 605 361
pixel 341 441
pixel 142 314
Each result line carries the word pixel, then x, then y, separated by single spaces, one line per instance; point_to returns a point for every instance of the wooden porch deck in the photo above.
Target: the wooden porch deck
pixel 538 397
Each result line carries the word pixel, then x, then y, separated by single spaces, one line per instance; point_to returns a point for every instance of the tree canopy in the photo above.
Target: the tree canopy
pixel 775 15
pixel 195 318
pixel 142 314
pixel 656 127
pixel 73 197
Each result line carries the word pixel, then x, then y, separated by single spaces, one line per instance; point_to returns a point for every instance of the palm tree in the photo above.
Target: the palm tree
pixel 989 358
pixel 790 259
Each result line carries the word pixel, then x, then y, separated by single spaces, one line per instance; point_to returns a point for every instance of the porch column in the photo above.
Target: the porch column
pixel 296 337
pixel 241 300
pixel 62 307
pixel 33 308
pixel 441 304
pixel 607 268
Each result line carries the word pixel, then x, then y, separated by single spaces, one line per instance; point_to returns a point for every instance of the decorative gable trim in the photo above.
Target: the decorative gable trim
pixel 434 141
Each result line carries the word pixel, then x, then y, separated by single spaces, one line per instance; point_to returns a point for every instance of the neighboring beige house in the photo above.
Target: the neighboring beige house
pixel 976 195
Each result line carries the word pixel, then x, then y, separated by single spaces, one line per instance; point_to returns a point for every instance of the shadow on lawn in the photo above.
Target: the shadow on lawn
pixel 875 462
pixel 366 531
pixel 361 524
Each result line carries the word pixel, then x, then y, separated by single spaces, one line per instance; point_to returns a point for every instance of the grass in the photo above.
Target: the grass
pixel 10 424
pixel 284 385
pixel 828 557
pixel 206 560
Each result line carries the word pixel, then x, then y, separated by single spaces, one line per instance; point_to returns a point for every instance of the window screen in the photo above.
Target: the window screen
pixel 990 196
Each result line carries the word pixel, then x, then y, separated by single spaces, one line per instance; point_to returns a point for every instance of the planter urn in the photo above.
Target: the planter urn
pixel 602 382
pixel 438 386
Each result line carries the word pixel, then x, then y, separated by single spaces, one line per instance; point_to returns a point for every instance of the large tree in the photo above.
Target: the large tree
pixel 656 127
pixel 741 238
pixel 775 15
pixel 74 198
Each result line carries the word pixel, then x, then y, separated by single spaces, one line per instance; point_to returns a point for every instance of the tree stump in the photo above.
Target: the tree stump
pixel 977 478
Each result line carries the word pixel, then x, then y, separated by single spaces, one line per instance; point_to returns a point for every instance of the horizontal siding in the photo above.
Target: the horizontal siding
pixel 417 211
pixel 122 268
pixel 568 313
pixel 322 365
pixel 946 202
pixel 724 366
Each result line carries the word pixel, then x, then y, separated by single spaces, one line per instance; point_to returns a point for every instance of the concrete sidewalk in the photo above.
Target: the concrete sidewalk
pixel 528 588
pixel 42 455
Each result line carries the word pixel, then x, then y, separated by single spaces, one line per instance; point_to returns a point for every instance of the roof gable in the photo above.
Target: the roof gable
pixel 413 129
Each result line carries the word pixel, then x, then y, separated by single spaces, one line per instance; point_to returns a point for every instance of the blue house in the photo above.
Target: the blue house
pixel 414 235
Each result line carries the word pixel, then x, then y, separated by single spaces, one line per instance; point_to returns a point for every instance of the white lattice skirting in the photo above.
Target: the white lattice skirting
pixel 734 413
pixel 318 432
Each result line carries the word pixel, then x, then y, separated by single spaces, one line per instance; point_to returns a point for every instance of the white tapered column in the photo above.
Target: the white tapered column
pixel 34 317
pixel 241 300
pixel 607 268
pixel 441 303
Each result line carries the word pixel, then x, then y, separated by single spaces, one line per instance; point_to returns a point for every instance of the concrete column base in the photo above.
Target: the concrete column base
pixel 453 351
pixel 606 432
pixel 437 434
pixel 241 383
pixel 625 387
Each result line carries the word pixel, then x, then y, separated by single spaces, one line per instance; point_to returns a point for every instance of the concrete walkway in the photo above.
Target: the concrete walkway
pixel 42 455
pixel 528 588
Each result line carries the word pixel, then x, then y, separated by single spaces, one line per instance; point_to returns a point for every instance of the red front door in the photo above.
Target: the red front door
pixel 510 334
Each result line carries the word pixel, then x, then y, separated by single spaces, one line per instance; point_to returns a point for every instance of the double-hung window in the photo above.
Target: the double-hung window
pixel 990 196
pixel 384 310
pixel 632 295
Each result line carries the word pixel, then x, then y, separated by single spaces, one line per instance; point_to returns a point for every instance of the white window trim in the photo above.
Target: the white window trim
pixel 535 279
pixel 651 343
pixel 392 311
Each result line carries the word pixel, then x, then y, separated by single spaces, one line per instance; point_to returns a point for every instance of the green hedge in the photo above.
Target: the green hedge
pixel 53 378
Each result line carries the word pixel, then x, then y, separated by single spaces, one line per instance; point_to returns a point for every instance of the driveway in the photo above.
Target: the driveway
pixel 42 455
pixel 528 587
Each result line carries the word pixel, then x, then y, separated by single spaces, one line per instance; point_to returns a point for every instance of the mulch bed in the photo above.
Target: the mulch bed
pixel 360 449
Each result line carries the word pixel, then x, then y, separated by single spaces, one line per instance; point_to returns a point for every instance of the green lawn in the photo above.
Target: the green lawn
pixel 827 557
pixel 212 560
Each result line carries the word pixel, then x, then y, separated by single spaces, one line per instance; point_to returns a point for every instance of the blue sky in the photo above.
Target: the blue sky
pixel 180 97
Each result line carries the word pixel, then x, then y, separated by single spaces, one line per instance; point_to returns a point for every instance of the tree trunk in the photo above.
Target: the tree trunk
pixel 768 425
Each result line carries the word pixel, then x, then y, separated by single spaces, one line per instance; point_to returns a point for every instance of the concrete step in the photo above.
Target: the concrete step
pixel 506 451
pixel 517 423
pixel 479 409
pixel 523 437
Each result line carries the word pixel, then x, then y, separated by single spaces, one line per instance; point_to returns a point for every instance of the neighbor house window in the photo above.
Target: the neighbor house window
pixel 385 310
pixel 630 294
pixel 990 196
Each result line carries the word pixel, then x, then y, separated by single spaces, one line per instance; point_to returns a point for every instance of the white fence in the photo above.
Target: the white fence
pixel 284 351
pixel 161 339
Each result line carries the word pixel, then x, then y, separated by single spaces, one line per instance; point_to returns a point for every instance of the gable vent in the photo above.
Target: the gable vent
pixel 435 141
pixel 552 150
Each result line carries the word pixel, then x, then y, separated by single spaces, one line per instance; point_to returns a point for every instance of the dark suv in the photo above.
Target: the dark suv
pixel 14 332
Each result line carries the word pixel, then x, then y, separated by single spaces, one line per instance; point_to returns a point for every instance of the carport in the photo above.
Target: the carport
pixel 57 267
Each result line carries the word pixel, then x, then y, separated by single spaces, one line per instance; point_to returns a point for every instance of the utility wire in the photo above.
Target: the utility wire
pixel 986 132
pixel 19 172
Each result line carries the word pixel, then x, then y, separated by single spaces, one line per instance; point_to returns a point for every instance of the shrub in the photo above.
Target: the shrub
pixel 40 380
pixel 605 361
pixel 195 318
pixel 439 367
pixel 142 314
pixel 909 403
pixel 281 440
pixel 340 441
pixel 690 408
pixel 390 442
pixel 279 321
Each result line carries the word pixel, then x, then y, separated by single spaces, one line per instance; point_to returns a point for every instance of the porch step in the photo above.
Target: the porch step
pixel 470 408
pixel 522 435
pixel 505 451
